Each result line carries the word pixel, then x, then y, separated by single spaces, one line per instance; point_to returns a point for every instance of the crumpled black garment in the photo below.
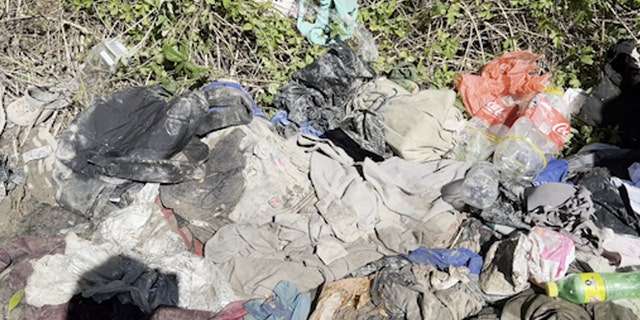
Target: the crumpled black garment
pixel 131 282
pixel 616 160
pixel 320 91
pixel 614 100
pixel 133 134
pixel 611 209
pixel 361 135
pixel 217 193
pixel 319 95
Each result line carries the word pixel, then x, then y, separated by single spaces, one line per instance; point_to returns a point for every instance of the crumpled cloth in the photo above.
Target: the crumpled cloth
pixel 574 218
pixel 354 197
pixel 531 306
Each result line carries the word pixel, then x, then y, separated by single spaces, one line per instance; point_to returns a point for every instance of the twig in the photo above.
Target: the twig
pixel 615 13
pixel 475 27
pixel 16 19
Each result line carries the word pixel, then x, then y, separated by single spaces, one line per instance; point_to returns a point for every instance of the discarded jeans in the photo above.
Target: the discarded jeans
pixel 445 258
pixel 286 303
pixel 320 91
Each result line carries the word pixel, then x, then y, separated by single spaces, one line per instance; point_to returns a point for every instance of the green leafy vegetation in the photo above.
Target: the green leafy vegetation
pixel 186 43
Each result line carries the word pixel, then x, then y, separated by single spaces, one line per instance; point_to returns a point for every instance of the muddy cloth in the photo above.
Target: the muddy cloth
pixel 537 306
pixel 475 236
pixel 273 179
pixel 132 135
pixel 398 292
pixel 611 210
pixel 296 247
pixel 394 190
pixel 134 257
pixel 286 303
pixel 345 299
pixel 614 100
pixel 454 294
pixel 414 291
pixel 571 213
pixel 421 127
pixel 15 260
pixel 210 199
pixel 320 91
pixel 505 267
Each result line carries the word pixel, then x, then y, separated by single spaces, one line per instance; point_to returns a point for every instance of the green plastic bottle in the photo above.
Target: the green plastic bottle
pixel 596 287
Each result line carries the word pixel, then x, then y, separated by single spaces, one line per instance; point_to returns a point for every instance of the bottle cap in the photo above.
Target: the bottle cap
pixel 551 288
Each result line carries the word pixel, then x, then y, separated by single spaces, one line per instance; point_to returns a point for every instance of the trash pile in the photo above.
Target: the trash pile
pixel 363 197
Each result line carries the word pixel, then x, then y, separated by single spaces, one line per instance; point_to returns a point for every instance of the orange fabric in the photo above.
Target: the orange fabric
pixel 513 73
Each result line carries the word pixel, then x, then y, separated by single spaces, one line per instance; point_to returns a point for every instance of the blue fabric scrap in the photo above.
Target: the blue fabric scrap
pixel 286 303
pixel 444 258
pixel 555 171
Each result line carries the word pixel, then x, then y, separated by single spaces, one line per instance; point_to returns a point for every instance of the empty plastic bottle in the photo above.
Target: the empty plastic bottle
pixel 481 134
pixel 541 130
pixel 100 63
pixel 480 186
pixel 596 287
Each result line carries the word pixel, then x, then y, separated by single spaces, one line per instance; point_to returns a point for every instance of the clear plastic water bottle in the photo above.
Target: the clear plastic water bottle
pixel 481 134
pixel 480 186
pixel 100 63
pixel 541 130
pixel 596 287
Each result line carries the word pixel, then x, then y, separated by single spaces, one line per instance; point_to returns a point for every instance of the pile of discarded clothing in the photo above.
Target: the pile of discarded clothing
pixel 360 198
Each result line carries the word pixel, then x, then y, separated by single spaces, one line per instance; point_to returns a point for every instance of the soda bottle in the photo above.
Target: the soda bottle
pixel 541 130
pixel 481 134
pixel 596 287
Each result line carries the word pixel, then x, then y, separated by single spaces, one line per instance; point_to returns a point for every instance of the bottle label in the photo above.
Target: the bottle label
pixel 594 287
pixel 548 121
pixel 497 112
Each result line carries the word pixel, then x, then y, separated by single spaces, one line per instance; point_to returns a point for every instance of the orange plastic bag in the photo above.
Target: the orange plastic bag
pixel 512 74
